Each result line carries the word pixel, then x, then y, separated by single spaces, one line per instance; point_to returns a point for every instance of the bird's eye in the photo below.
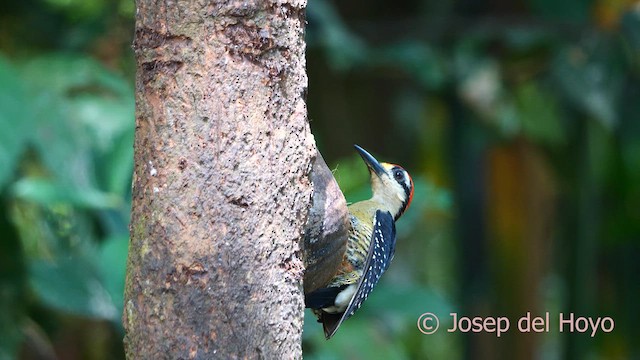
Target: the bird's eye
pixel 398 175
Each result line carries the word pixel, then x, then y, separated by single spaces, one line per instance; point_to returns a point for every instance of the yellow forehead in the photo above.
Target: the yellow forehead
pixel 388 166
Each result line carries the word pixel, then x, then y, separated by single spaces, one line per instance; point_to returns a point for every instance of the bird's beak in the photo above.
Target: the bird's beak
pixel 371 162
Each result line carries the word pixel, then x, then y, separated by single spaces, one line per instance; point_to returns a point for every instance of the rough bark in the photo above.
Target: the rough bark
pixel 221 189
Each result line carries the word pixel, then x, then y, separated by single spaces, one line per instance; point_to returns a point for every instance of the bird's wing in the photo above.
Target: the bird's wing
pixel 381 250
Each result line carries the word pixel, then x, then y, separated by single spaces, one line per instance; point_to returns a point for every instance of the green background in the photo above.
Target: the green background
pixel 518 120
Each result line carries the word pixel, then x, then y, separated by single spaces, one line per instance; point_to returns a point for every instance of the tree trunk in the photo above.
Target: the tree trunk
pixel 221 189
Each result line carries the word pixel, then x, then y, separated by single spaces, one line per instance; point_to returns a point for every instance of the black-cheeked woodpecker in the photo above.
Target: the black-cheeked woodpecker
pixel 370 246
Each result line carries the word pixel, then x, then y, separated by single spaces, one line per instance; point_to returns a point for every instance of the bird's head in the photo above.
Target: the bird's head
pixel 391 185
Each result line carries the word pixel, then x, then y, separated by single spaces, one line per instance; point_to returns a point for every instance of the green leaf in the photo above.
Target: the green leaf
pixel 69 74
pixel 631 29
pixel 344 48
pixel 105 118
pixel 12 286
pixel 566 10
pixel 590 76
pixel 71 285
pixel 418 59
pixel 15 121
pixel 112 264
pixel 538 112
pixel 46 192
pixel 74 97
pixel 79 9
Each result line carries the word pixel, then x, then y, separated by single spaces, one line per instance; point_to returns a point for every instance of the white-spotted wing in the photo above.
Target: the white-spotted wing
pixel 381 250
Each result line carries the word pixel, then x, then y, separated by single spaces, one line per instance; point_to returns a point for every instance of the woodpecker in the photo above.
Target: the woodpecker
pixel 370 246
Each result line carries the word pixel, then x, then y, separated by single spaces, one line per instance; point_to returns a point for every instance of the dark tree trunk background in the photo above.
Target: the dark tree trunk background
pixel 221 189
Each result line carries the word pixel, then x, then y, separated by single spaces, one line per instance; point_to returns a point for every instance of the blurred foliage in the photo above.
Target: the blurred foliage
pixel 518 121
pixel 66 158
pixel 526 111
